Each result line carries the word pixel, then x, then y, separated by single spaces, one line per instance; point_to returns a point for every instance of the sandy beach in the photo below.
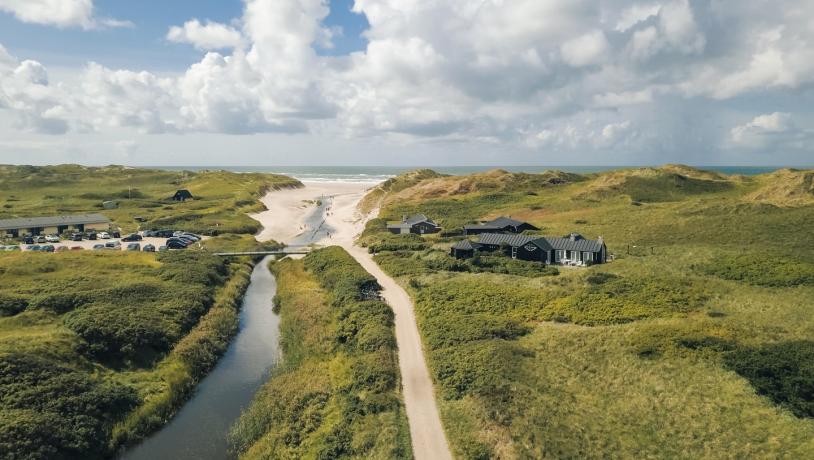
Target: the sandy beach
pixel 286 219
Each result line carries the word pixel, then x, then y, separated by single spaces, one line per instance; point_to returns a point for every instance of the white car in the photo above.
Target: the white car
pixel 103 235
pixel 52 239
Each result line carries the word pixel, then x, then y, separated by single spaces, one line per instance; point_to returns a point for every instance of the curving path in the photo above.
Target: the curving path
pixel 428 439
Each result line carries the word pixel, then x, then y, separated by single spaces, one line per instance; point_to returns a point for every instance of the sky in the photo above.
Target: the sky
pixel 407 82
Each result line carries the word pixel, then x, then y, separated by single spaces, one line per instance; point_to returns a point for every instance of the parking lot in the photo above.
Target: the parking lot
pixel 86 244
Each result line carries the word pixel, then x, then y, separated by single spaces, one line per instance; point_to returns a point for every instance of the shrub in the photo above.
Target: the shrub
pixel 11 305
pixel 782 372
pixel 482 368
pixel 51 411
pixel 447 330
pixel 761 270
pixel 623 300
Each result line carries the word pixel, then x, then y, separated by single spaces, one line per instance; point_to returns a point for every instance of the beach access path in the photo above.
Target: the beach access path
pixel 287 211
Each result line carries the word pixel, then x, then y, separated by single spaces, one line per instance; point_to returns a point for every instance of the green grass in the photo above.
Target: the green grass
pixel 222 199
pixel 337 393
pixel 694 342
pixel 103 354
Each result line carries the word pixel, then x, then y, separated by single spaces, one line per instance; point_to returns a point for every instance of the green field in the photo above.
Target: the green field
pixel 221 201
pixel 336 393
pixel 696 341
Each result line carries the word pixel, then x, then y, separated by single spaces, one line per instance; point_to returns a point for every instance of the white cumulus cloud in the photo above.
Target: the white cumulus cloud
pixel 209 36
pixel 59 13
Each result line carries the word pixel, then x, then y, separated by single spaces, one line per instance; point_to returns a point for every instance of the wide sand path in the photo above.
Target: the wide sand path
pixel 283 221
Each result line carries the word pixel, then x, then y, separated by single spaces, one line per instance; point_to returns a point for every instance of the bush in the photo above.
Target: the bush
pixel 11 305
pixel 761 270
pixel 782 372
pixel 447 330
pixel 51 411
pixel 619 300
pixel 482 368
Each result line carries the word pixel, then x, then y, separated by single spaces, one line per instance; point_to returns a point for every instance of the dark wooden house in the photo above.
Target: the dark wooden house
pixel 418 223
pixel 572 249
pixel 182 195
pixel 499 225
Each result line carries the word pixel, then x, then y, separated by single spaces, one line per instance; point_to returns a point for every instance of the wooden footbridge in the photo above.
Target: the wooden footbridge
pixel 286 251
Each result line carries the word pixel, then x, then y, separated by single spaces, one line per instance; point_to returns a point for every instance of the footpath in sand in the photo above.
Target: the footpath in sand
pixel 291 218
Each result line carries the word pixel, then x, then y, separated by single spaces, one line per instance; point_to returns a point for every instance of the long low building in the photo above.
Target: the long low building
pixel 53 225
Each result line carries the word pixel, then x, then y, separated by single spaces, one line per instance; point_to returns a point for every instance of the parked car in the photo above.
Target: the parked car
pixel 164 233
pixel 162 248
pixel 40 239
pixel 48 248
pixel 178 240
pixel 52 239
pixel 104 235
pixel 91 236
pixel 113 245
pixel 185 239
pixel 148 248
pixel 134 247
pixel 63 249
pixel 175 244
pixel 12 248
pixel 28 240
pixel 80 248
pixel 150 233
pixel 97 247
pixel 191 236
pixel 76 237
pixel 116 235
pixel 32 248
pixel 132 237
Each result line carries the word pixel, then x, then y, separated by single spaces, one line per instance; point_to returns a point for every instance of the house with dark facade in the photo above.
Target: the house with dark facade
pixel 573 249
pixel 499 225
pixel 418 223
pixel 182 195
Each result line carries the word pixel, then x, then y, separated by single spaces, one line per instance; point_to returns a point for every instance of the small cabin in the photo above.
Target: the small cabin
pixel 418 224
pixel 182 195
pixel 499 225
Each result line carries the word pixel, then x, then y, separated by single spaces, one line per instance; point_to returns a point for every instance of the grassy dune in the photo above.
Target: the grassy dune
pixel 695 342
pixel 336 393
pixel 101 348
pixel 222 199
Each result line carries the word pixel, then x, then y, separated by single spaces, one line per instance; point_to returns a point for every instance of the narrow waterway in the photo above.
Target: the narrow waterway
pixel 199 429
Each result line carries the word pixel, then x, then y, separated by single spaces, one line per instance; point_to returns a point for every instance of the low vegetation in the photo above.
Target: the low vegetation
pixel 96 357
pixel 221 199
pixel 694 342
pixel 337 392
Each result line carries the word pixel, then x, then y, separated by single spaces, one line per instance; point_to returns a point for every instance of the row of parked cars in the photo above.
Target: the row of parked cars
pixel 175 240
pixel 40 239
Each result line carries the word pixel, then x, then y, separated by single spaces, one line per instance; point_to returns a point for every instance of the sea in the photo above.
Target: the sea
pixel 376 174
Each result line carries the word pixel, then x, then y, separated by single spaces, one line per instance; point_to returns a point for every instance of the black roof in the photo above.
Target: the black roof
pixel 183 192
pixel 412 220
pixel 500 222
pixel 573 242
pixel 464 245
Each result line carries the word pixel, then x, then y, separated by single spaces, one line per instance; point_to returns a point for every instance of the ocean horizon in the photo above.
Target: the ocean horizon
pixel 376 174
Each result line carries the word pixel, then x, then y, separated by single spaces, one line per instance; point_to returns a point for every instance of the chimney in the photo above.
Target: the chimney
pixel 600 239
